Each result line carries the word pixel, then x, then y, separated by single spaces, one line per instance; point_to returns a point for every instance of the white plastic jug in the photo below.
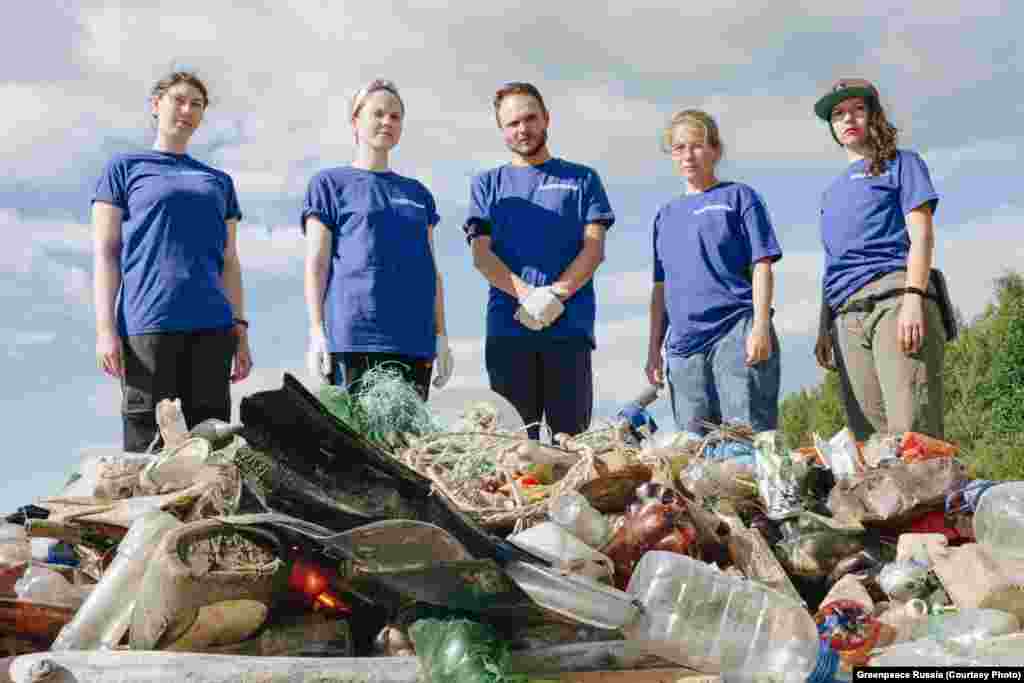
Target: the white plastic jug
pixel 699 617
pixel 999 520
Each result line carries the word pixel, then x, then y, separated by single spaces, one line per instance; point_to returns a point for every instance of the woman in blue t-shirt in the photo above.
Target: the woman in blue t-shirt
pixel 167 279
pixel 373 292
pixel 879 313
pixel 714 247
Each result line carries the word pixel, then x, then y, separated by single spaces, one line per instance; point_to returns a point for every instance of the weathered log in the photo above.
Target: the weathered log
pixel 167 667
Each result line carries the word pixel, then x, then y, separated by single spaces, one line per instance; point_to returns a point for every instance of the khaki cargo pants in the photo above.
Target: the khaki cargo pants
pixel 884 389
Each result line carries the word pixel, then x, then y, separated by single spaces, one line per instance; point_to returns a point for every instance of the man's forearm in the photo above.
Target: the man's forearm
pixel 583 267
pixel 495 271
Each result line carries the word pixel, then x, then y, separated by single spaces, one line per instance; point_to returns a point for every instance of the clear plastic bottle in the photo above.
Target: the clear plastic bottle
pixel 966 627
pixel 573 512
pixel 999 520
pixel 701 618
pixel 104 617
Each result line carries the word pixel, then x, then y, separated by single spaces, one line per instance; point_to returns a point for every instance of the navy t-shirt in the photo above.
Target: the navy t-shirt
pixel 864 224
pixel 538 214
pixel 173 236
pixel 704 248
pixel 382 281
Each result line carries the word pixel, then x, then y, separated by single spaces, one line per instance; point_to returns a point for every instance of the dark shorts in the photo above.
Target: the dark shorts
pixel 193 366
pixel 348 368
pixel 555 385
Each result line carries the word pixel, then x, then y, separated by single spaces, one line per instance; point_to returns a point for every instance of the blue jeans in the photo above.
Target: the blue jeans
pixel 716 385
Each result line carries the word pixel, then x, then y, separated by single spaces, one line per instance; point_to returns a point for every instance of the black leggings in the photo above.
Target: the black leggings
pixel 416 371
pixel 193 366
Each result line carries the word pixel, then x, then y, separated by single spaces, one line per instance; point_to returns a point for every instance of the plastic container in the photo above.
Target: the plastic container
pixel 15 547
pixel 965 628
pixel 574 513
pixel 556 545
pixel 39 584
pixel 999 520
pixel 104 617
pixel 577 597
pixel 697 616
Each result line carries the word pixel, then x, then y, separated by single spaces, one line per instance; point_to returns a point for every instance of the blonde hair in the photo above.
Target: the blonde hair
pixel 693 118
pixel 373 86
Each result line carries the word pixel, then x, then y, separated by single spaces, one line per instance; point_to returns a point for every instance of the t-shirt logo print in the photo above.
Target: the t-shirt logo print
pixel 712 207
pixel 408 202
pixel 557 186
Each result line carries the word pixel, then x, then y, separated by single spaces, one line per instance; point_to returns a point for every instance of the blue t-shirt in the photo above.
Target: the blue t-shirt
pixel 704 248
pixel 173 236
pixel 864 224
pixel 382 281
pixel 537 215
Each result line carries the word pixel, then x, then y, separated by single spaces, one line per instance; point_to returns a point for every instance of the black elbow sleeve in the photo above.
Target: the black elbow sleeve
pixel 476 227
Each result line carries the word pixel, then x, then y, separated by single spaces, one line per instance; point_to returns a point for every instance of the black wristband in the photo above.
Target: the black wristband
pixel 240 321
pixel 914 290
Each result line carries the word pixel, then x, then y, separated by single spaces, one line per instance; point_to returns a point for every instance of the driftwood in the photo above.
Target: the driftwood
pixel 167 667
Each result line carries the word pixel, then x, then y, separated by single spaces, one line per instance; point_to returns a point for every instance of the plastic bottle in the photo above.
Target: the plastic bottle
pixel 701 618
pixel 573 512
pixel 999 520
pixel 966 627
pixel 104 617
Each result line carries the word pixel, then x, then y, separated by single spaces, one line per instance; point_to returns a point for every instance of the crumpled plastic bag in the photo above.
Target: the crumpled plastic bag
pixel 779 477
pixel 461 651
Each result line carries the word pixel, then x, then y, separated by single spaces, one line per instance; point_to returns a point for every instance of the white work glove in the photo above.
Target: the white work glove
pixel 527 321
pixel 318 358
pixel 444 363
pixel 543 305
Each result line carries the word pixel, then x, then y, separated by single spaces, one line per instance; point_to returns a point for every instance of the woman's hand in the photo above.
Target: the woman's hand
pixel 655 368
pixel 911 328
pixel 759 343
pixel 823 351
pixel 243 356
pixel 109 353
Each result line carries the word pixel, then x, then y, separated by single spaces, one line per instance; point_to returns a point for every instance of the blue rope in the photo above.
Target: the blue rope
pixel 826 666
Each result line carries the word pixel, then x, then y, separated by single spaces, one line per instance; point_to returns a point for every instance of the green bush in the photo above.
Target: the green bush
pixel 983 377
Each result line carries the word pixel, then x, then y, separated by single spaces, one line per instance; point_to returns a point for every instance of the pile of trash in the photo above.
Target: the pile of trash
pixel 356 537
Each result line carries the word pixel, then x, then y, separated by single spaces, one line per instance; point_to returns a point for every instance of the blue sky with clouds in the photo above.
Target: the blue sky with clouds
pixel 74 84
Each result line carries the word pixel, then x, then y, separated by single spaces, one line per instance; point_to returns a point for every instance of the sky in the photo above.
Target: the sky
pixel 281 74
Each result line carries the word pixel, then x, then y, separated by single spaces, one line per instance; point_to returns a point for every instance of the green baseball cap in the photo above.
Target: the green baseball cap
pixel 843 89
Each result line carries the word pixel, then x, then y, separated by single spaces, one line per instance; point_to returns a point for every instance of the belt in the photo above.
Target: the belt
pixel 867 304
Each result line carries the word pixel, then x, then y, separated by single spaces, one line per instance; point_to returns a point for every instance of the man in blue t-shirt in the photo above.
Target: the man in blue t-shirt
pixel 537 228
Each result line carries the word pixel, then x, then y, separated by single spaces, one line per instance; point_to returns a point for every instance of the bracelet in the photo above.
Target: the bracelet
pixel 915 290
pixel 241 321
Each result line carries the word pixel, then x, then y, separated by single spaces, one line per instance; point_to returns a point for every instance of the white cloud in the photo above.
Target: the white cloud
pixel 945 162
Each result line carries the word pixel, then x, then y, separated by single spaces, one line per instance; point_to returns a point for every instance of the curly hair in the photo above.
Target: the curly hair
pixel 881 138
pixel 175 77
